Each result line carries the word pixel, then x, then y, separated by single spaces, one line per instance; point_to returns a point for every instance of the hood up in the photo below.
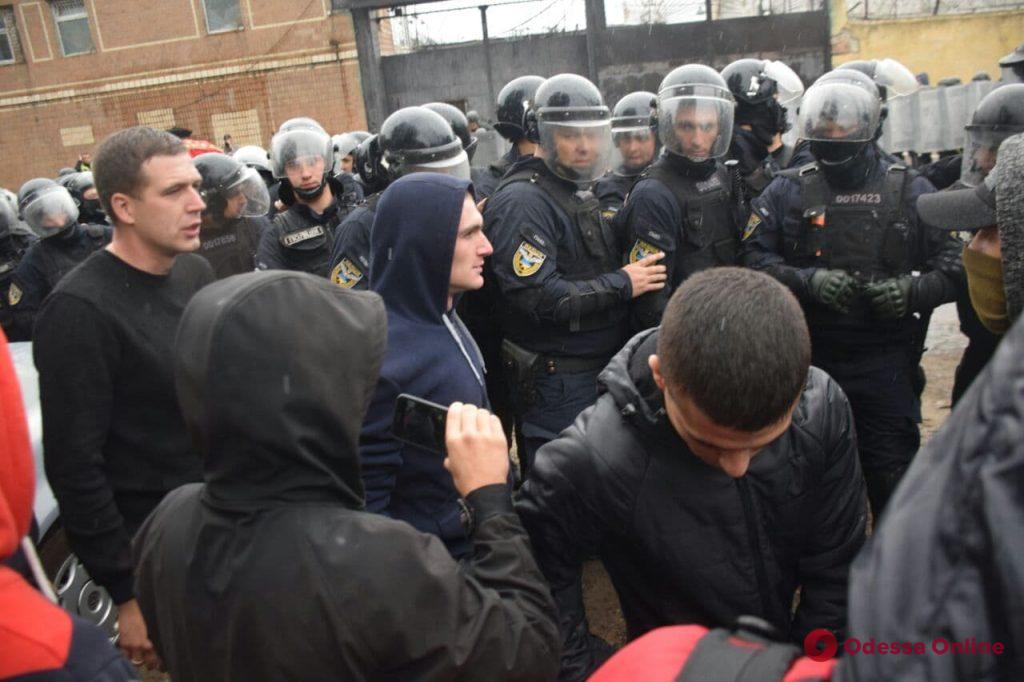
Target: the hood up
pixel 413 241
pixel 17 472
pixel 1010 218
pixel 275 410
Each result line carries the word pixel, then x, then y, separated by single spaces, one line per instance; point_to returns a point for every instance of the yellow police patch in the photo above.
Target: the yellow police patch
pixel 14 295
pixel 346 274
pixel 641 250
pixel 755 220
pixel 527 260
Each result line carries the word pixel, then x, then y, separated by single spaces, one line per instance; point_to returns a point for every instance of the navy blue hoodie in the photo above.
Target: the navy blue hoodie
pixel 430 354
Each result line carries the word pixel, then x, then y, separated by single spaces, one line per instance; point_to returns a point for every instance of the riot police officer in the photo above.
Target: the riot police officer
pixel 235 215
pixel 844 235
pixel 15 239
pixel 51 213
pixel 764 90
pixel 514 100
pixel 302 156
pixel 411 140
pixel 636 144
pixel 1012 66
pixel 256 157
pixel 685 205
pixel 556 263
pixel 82 188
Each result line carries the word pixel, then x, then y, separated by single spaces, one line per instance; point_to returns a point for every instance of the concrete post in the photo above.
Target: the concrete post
pixel 596 25
pixel 491 94
pixel 371 75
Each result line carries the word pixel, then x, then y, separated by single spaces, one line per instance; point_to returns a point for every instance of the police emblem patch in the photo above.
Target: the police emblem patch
pixel 346 274
pixel 14 295
pixel 641 250
pixel 527 259
pixel 755 220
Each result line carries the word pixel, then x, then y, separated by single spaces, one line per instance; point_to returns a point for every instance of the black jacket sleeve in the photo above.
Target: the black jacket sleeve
pixel 565 531
pixel 837 532
pixel 491 618
pixel 761 247
pixel 651 218
pixel 75 352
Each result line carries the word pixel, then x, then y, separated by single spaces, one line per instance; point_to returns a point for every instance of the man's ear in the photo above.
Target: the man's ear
pixel 654 362
pixel 123 207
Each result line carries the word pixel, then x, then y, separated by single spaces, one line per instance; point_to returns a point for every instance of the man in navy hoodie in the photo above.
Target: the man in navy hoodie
pixel 427 247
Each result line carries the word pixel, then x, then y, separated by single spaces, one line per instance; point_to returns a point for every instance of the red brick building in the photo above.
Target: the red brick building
pixel 73 71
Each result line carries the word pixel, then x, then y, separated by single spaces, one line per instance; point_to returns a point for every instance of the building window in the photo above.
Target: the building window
pixel 72 26
pixel 222 15
pixel 10 50
pixel 339 6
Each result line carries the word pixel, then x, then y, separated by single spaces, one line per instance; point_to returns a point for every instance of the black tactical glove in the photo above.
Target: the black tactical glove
pixel 834 288
pixel 890 298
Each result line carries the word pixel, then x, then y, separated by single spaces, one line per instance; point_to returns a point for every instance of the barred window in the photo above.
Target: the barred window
pixel 222 15
pixel 10 50
pixel 72 26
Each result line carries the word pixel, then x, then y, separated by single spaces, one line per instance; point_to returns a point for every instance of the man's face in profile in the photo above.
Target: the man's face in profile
pixel 696 130
pixel 166 213
pixel 725 448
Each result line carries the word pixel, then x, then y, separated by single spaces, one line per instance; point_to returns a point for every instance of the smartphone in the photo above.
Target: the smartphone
pixel 420 422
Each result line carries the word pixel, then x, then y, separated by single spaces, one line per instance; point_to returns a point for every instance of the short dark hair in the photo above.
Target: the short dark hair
pixel 736 342
pixel 117 166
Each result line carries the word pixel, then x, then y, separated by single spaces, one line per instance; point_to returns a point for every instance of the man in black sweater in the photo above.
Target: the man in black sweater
pixel 114 441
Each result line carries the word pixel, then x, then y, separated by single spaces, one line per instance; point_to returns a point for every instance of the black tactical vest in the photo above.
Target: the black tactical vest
pixel 708 236
pixel 306 245
pixel 598 253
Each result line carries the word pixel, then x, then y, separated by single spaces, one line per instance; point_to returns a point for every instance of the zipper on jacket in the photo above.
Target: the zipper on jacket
pixel 755 546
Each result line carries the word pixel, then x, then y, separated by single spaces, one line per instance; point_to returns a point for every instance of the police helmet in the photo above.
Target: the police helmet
pixel 300 141
pixel 695 113
pixel 8 219
pixel 254 157
pixel 1012 66
pixel 998 115
pixel 756 81
pixel 415 139
pixel 632 124
pixel 891 77
pixel 344 145
pixel 459 123
pixel 569 108
pixel 230 189
pixel 46 207
pixel 366 164
pixel 65 171
pixel 514 100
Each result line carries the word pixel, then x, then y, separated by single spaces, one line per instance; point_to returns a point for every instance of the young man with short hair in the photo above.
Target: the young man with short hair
pixel 114 439
pixel 715 476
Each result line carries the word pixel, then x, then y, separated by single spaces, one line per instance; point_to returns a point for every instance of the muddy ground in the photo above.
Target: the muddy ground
pixel 945 345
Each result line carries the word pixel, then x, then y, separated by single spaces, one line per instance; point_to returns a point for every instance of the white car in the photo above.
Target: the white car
pixel 76 591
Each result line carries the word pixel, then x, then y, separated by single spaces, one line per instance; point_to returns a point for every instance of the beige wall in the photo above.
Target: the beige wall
pixel 945 45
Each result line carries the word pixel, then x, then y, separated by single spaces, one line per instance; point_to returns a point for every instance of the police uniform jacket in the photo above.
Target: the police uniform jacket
pixel 682 541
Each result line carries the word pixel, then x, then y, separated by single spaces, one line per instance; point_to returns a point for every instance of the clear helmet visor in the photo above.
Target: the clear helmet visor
pixel 51 212
pixel 634 148
pixel 457 166
pixel 789 87
pixel 576 150
pixel 980 149
pixel 297 148
pixel 247 197
pixel 896 78
pixel 696 127
pixel 838 111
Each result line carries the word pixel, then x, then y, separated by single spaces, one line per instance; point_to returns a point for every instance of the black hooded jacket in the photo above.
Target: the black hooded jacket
pixel 270 570
pixel 682 541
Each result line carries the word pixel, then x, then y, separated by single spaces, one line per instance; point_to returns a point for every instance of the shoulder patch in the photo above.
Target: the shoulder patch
pixel 752 223
pixel 345 274
pixel 14 294
pixel 642 249
pixel 527 259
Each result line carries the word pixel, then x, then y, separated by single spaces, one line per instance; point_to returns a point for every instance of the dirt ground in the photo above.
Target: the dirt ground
pixel 945 345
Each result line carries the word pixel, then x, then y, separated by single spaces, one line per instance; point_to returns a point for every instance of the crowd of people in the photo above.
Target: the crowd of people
pixel 656 335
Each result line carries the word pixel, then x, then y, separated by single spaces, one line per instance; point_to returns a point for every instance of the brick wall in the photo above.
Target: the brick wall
pixel 155 63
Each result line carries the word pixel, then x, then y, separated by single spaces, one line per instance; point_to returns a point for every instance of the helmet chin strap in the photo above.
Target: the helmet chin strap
pixel 311 194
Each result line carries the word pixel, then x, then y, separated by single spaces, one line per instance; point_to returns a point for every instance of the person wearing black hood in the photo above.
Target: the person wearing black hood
pixel 235 215
pixel 636 146
pixel 82 188
pixel 845 236
pixel 514 100
pixel 561 288
pixel 686 205
pixel 302 236
pixel 63 243
pixel 270 569
pixel 428 248
pixel 763 91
